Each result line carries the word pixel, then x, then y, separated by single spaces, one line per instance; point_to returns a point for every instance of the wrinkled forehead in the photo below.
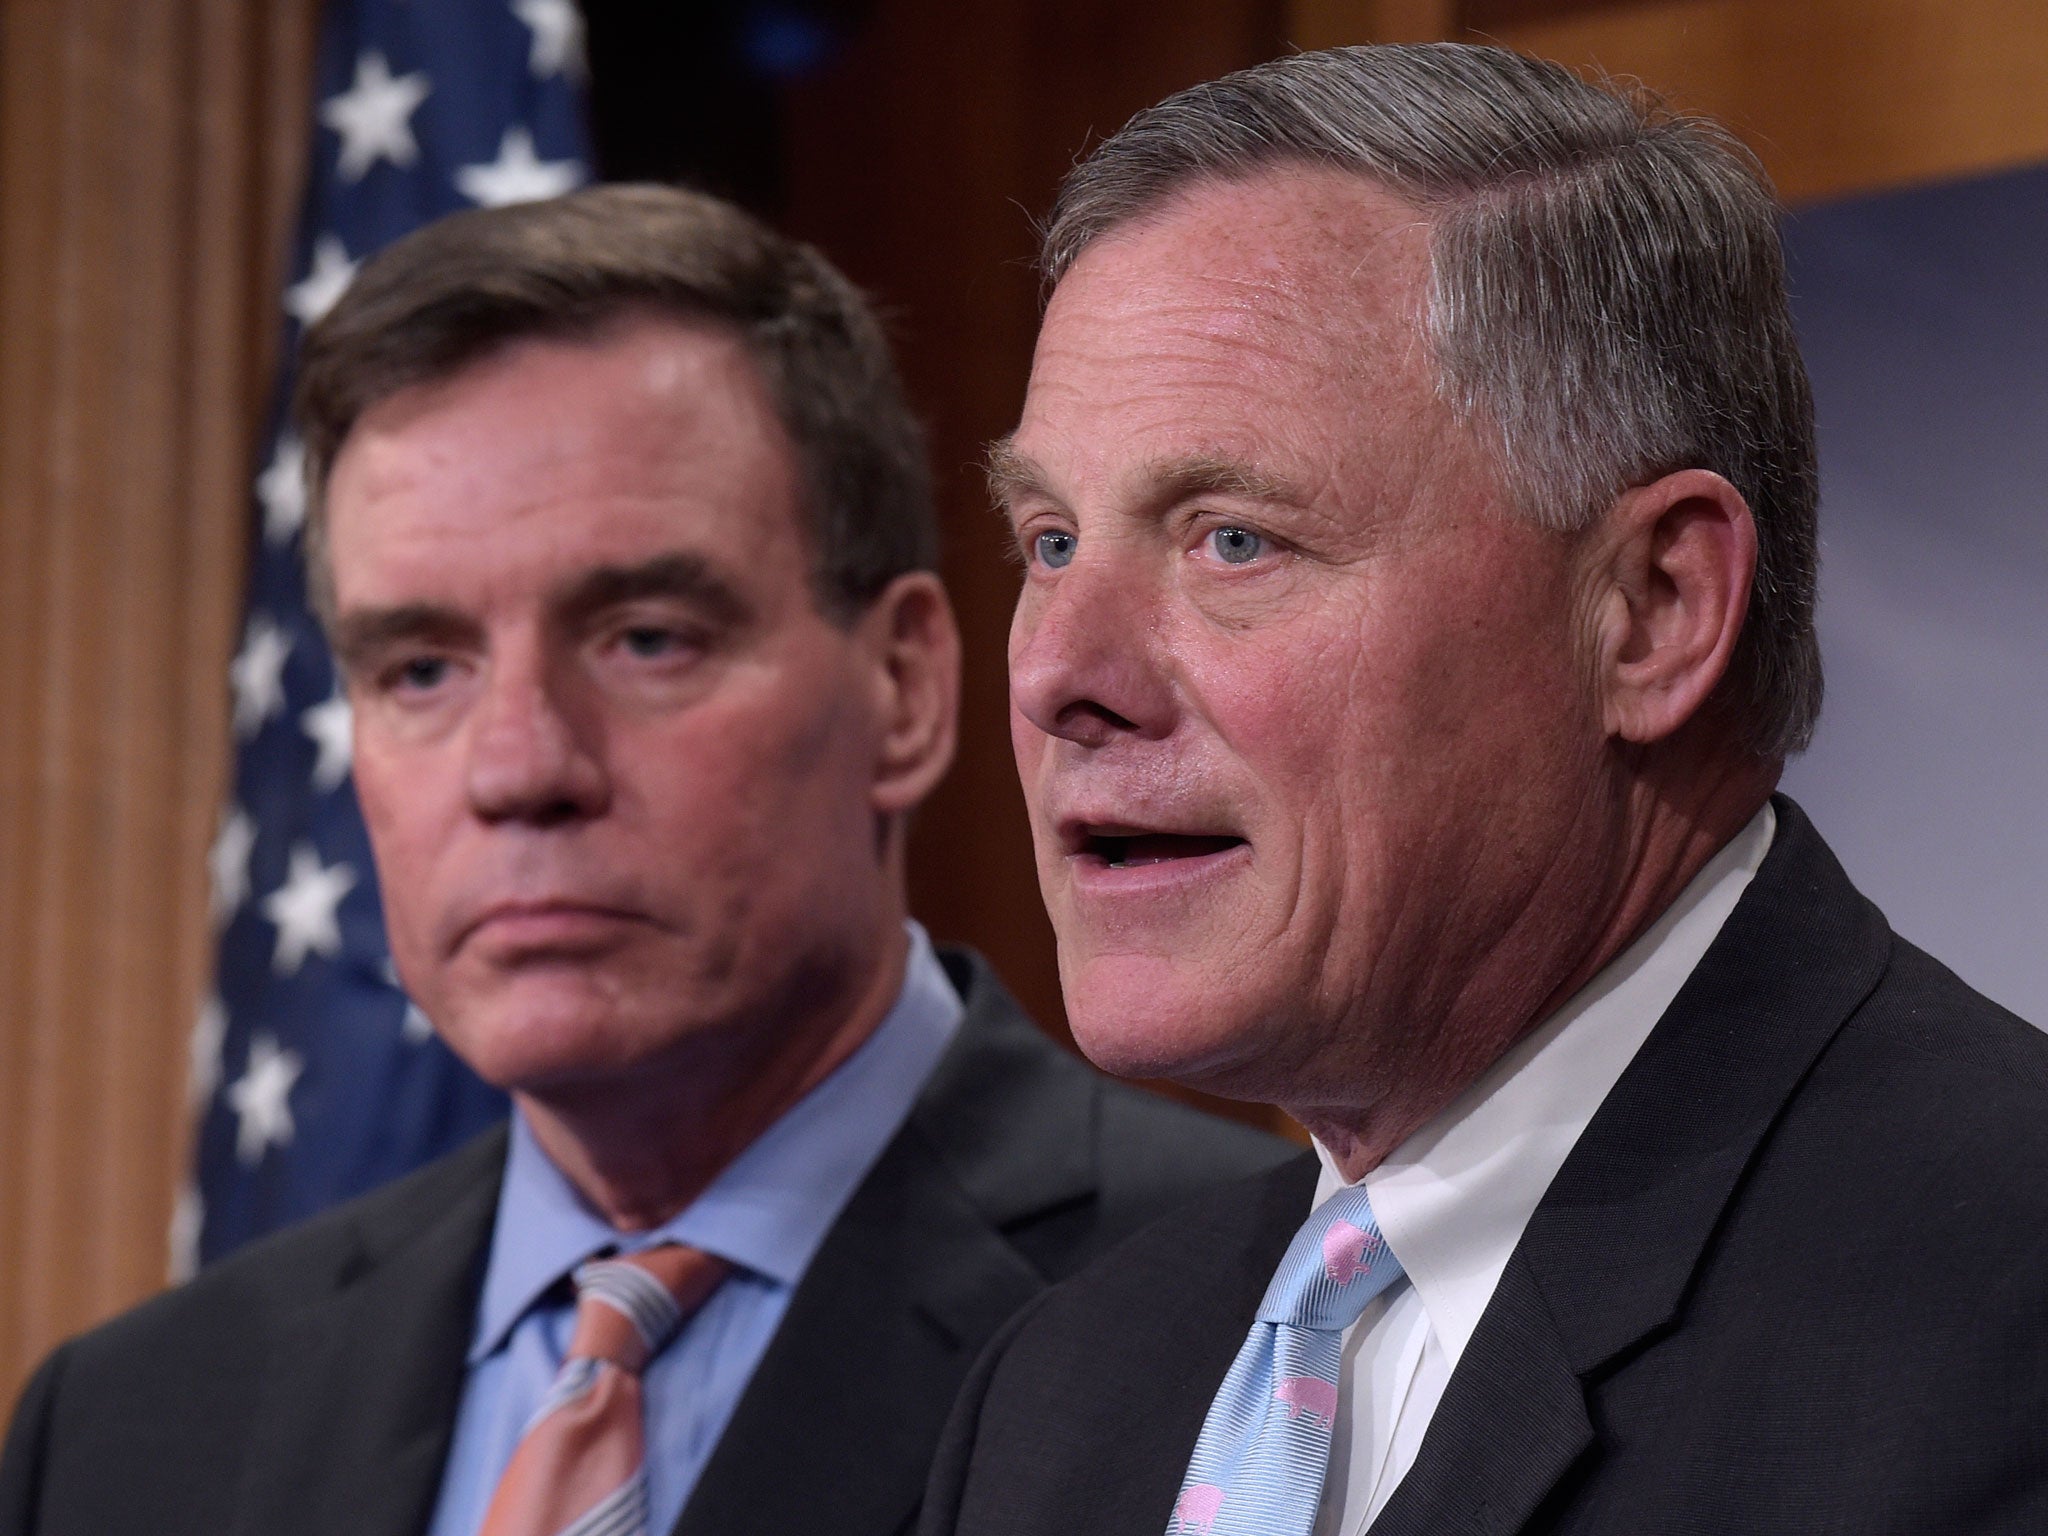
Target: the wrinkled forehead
pixel 1274 324
pixel 1327 258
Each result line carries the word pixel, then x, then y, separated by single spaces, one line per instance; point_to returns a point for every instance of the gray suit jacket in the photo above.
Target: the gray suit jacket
pixel 309 1384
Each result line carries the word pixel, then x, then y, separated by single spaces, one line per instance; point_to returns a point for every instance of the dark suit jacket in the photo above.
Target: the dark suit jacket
pixel 309 1385
pixel 1793 1279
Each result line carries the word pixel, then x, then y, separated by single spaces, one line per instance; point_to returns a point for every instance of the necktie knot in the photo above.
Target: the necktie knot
pixel 1337 1263
pixel 579 1466
pixel 628 1307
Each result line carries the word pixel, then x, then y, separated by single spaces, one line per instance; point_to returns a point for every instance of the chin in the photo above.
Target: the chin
pixel 1145 1017
pixel 533 1043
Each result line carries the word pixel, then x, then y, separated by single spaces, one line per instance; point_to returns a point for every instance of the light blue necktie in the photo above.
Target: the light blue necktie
pixel 1264 1450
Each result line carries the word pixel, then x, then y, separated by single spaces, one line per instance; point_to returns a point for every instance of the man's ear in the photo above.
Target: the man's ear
pixel 915 646
pixel 1674 562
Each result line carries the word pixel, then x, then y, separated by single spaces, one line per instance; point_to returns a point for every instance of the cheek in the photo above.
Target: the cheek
pixel 401 806
pixel 776 769
pixel 1374 711
pixel 1291 704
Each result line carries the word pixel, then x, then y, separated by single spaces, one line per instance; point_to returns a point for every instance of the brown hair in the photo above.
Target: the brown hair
pixel 447 295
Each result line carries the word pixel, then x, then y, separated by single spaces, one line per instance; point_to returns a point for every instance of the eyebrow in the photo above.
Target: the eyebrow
pixel 1212 475
pixel 682 577
pixel 361 634
pixel 1012 475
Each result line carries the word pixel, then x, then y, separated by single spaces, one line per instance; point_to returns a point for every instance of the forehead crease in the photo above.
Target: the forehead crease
pixel 1324 260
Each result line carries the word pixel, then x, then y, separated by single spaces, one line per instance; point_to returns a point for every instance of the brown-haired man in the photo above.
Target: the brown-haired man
pixel 622 534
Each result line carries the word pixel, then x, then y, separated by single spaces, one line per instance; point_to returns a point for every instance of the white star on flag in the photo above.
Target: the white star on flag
pixel 373 117
pixel 319 290
pixel 517 176
pixel 557 28
pixel 417 1028
pixel 331 724
pixel 261 1099
pixel 306 909
pixel 282 490
pixel 202 1072
pixel 228 863
pixel 257 675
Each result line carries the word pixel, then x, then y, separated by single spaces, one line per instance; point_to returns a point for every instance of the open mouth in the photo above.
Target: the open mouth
pixel 1138 850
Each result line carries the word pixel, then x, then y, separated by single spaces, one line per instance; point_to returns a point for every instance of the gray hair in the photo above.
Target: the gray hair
pixel 454 292
pixel 1607 295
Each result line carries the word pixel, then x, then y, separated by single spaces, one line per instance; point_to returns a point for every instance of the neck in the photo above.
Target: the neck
pixel 640 1151
pixel 1672 816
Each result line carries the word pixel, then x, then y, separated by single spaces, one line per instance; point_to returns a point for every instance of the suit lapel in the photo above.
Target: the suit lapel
pixel 1510 1424
pixel 835 1430
pixel 1608 1255
pixel 358 1403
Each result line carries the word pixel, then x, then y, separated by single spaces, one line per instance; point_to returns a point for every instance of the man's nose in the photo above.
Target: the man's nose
pixel 535 754
pixel 1088 658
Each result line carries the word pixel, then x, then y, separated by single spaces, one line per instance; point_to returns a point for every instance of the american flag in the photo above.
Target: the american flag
pixel 312 1078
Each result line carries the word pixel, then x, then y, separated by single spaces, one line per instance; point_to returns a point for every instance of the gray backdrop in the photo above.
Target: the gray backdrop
pixel 1924 317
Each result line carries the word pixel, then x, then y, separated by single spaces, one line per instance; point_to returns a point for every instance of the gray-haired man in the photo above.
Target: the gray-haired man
pixel 1416 489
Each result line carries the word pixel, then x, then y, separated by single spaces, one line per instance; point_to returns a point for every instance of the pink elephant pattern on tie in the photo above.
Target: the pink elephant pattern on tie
pixel 1259 1463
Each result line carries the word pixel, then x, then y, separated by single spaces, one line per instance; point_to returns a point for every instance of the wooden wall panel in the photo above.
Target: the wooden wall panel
pixel 1333 23
pixel 918 163
pixel 1485 15
pixel 1835 96
pixel 148 150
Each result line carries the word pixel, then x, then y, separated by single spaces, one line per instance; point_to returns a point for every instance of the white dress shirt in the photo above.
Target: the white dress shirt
pixel 1452 1199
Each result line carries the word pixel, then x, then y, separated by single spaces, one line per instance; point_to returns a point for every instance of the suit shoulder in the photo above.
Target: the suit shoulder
pixel 1922 1006
pixel 1937 1071
pixel 229 1298
pixel 1928 1086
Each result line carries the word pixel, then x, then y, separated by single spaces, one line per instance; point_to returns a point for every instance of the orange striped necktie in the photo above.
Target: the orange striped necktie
pixel 578 1469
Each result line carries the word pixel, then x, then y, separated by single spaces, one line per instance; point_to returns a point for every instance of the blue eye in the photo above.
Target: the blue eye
pixel 1055 548
pixel 1237 546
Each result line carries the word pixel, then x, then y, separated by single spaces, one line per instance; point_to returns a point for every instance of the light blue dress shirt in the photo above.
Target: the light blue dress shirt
pixel 766 1213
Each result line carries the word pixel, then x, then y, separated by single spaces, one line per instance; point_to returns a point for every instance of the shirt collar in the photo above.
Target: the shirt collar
pixel 770 1208
pixel 1452 1199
